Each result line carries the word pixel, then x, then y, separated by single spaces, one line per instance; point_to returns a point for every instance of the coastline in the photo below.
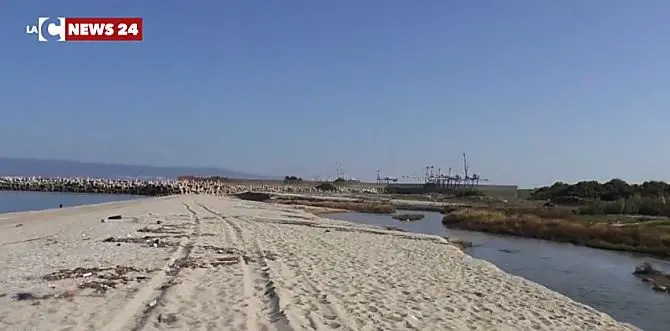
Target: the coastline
pixel 212 250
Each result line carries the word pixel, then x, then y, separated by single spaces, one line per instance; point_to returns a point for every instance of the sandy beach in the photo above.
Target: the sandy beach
pixel 197 262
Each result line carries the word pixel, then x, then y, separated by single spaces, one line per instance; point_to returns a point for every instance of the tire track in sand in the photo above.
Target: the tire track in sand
pixel 325 312
pixel 264 312
pixel 132 316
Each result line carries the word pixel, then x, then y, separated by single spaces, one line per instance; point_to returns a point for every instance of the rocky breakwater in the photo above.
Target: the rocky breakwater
pixel 215 187
pixel 90 185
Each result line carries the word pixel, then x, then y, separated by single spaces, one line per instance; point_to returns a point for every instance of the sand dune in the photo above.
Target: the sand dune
pixel 210 263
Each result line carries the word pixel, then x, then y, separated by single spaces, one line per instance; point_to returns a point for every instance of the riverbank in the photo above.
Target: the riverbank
pixel 271 266
pixel 602 279
pixel 631 235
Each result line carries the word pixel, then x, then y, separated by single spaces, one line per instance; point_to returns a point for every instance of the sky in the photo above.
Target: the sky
pixel 533 91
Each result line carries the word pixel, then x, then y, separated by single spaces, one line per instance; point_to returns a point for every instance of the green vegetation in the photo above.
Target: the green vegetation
pixel 292 179
pixel 524 193
pixel 470 193
pixel 408 217
pixel 326 186
pixel 612 190
pixel 562 225
pixel 613 197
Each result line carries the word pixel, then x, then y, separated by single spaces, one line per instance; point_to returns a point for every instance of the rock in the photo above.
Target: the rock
pixel 645 269
pixel 115 217
pixel 659 288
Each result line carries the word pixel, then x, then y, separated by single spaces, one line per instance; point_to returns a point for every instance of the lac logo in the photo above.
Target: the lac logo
pixel 64 29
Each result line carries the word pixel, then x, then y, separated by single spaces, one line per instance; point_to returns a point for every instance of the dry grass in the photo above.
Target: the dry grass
pixel 562 226
pixel 361 207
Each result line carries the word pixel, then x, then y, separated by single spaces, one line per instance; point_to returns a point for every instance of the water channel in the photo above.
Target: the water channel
pixel 599 278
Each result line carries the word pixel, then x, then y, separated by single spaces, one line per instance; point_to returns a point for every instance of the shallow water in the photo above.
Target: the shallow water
pixel 12 201
pixel 601 279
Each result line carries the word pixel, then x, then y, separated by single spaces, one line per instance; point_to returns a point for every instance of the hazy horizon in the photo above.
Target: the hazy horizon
pixel 27 167
pixel 533 91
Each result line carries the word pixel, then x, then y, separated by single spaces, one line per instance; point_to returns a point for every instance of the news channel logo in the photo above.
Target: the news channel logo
pixel 48 29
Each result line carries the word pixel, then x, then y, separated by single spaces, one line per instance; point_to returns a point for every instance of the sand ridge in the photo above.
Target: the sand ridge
pixel 199 262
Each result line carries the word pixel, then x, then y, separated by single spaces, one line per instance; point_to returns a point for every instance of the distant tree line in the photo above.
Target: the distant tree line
pixel 613 197
pixel 612 190
pixel 292 178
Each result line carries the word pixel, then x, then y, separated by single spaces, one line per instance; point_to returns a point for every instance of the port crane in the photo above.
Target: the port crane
pixel 385 179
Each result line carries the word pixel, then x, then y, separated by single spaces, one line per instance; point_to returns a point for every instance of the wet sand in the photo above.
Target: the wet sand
pixel 215 263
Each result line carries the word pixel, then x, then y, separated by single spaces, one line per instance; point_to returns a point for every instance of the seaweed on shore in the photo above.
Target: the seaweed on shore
pixel 167 229
pixel 151 241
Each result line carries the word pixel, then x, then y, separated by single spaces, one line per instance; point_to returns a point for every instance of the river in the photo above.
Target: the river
pixel 601 279
pixel 12 201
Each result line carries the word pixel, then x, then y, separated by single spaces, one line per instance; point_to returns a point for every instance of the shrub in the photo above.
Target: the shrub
pixel 637 238
pixel 326 186
pixel 470 193
pixel 612 190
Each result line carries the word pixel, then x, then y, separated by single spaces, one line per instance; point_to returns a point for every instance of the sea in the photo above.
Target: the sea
pixel 11 201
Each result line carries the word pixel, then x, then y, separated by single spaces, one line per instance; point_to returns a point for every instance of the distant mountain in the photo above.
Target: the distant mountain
pixel 61 168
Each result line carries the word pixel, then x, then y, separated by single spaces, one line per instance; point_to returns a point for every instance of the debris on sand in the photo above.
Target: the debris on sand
pixel 109 273
pixel 115 217
pixel 27 296
pixel 100 279
pixel 222 250
pixel 167 318
pixel 169 229
pixel 150 241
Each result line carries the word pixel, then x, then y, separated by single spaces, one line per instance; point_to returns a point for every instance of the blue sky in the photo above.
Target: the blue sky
pixel 533 91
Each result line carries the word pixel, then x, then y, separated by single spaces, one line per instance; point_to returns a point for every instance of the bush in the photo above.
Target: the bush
pixel 326 186
pixel 470 193
pixel 613 190
pixel 292 179
pixel 635 238
pixel 636 205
